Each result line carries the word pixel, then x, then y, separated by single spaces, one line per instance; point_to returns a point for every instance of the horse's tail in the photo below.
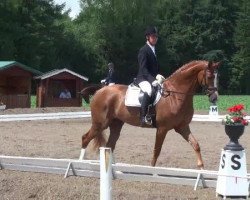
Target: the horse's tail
pixel 90 90
pixel 98 141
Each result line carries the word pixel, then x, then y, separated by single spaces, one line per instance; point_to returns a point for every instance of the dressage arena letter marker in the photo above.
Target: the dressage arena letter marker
pixel 213 111
pixel 232 176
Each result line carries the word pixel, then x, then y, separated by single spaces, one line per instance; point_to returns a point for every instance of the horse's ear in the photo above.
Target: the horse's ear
pixel 210 64
pixel 213 65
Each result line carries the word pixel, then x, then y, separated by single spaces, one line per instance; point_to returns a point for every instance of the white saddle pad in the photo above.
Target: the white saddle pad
pixel 132 96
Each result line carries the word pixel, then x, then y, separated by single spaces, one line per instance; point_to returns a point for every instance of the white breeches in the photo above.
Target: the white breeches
pixel 146 87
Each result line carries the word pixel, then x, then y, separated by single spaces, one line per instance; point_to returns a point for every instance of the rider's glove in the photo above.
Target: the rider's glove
pixel 103 81
pixel 160 78
pixel 155 83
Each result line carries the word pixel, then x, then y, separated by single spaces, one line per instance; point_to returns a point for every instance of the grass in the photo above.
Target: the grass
pixel 33 101
pixel 225 101
pixel 200 102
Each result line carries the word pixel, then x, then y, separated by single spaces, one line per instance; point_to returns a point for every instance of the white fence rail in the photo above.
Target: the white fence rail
pixel 91 168
pixel 44 116
pixel 87 114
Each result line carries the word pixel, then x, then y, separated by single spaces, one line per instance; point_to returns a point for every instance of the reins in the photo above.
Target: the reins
pixel 165 93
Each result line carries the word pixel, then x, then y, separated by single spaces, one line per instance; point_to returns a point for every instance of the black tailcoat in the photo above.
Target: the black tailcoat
pixel 148 65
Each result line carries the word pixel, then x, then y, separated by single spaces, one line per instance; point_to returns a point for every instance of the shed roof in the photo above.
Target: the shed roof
pixel 8 64
pixel 58 71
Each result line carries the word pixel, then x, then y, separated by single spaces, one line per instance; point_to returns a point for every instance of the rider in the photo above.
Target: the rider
pixel 148 69
pixel 110 79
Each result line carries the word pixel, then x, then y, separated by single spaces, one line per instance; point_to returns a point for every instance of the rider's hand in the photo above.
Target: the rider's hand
pixel 103 81
pixel 155 83
pixel 160 78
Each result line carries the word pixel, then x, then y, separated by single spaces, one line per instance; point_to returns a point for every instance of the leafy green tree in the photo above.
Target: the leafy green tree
pixel 39 34
pixel 35 44
pixel 113 31
pixel 197 30
pixel 9 28
pixel 241 60
pixel 177 33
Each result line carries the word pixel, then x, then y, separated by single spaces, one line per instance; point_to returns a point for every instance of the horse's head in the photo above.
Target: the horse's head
pixel 207 78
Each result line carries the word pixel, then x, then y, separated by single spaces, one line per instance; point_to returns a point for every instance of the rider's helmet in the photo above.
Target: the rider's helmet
pixel 111 65
pixel 151 30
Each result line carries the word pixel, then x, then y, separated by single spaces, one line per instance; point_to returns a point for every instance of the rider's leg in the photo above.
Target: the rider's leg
pixel 144 110
pixel 147 91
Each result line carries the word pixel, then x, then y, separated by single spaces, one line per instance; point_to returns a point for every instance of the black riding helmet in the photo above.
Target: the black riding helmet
pixel 111 65
pixel 151 30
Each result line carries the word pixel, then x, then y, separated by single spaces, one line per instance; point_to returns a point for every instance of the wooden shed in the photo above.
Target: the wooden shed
pixel 50 85
pixel 15 84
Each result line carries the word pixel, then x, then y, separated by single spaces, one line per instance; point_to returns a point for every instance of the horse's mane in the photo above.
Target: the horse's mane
pixel 185 67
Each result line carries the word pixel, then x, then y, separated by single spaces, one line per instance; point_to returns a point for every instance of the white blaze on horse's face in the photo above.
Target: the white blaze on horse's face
pixel 211 76
pixel 211 82
pixel 215 73
pixel 208 79
pixel 216 79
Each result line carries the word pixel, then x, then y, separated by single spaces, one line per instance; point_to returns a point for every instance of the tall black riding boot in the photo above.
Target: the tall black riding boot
pixel 145 120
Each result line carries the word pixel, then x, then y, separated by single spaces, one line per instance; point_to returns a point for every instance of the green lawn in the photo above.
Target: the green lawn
pixel 200 102
pixel 225 101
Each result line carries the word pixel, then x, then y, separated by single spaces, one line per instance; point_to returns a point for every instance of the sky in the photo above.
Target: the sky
pixel 72 4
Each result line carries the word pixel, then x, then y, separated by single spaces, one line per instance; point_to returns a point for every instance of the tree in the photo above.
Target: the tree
pixel 113 31
pixel 9 28
pixel 35 45
pixel 241 60
pixel 198 29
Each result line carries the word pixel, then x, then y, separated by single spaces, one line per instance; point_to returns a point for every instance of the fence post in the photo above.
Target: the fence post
pixel 105 173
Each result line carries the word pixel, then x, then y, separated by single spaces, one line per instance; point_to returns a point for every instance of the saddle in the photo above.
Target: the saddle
pixel 134 97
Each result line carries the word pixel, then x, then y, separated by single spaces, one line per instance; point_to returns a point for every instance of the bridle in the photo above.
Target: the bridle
pixel 207 90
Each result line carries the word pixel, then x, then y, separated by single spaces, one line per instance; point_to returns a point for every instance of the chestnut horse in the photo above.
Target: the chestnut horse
pixel 173 111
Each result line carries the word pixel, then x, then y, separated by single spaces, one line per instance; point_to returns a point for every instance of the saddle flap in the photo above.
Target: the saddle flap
pixel 132 97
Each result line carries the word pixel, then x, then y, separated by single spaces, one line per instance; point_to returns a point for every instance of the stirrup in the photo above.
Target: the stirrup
pixel 146 120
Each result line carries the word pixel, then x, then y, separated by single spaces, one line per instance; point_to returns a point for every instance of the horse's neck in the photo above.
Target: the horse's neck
pixel 186 81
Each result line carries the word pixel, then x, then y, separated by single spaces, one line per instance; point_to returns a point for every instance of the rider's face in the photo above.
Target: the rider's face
pixel 152 39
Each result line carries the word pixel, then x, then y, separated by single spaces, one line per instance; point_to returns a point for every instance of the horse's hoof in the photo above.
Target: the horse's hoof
pixel 201 167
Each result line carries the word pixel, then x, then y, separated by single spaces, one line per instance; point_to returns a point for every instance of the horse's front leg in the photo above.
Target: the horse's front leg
pixel 159 139
pixel 188 136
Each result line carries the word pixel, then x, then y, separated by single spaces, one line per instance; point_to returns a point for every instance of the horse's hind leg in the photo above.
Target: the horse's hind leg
pixel 160 136
pixel 188 136
pixel 115 130
pixel 86 138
